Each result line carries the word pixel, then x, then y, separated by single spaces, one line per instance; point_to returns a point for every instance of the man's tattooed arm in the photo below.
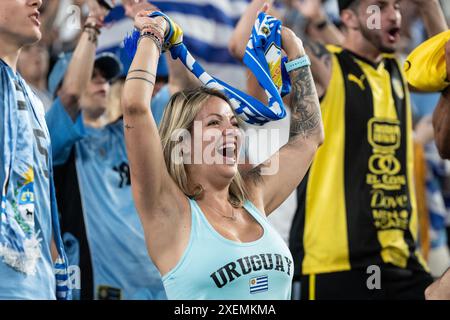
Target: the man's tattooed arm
pixel 306 120
pixel 314 48
pixel 321 61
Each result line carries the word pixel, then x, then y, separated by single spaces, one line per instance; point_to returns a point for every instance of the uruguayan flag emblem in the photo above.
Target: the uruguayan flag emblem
pixel 259 284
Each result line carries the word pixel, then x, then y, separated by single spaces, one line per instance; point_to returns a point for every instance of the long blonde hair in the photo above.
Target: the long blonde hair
pixel 179 114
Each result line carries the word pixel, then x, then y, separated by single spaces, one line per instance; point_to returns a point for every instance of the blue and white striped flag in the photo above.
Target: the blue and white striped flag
pixel 269 70
pixel 259 284
pixel 207 25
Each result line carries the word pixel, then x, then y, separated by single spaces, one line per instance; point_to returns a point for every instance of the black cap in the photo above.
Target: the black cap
pixel 344 4
pixel 107 62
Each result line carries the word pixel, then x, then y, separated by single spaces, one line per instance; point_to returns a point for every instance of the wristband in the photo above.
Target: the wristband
pixel 301 62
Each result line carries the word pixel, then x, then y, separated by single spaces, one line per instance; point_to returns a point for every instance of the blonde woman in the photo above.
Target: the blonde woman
pixel 205 224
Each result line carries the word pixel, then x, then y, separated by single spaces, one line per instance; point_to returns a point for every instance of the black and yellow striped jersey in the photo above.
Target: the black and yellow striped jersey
pixel 356 206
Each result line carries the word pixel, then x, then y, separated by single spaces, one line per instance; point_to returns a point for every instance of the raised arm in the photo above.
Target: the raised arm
pixel 318 33
pixel 432 16
pixel 242 31
pixel 290 164
pixel 151 182
pixel 318 21
pixel 160 203
pixel 64 122
pixel 320 57
pixel 81 66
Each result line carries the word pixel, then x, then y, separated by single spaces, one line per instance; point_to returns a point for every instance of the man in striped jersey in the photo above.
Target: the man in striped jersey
pixel 360 218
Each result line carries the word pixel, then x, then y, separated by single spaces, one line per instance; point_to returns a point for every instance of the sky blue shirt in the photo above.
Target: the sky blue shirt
pixel 28 191
pixel 215 268
pixel 114 232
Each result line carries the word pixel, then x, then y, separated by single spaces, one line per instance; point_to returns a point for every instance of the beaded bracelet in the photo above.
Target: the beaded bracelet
pixel 151 35
pixel 154 27
pixel 92 26
pixel 155 32
pixel 93 33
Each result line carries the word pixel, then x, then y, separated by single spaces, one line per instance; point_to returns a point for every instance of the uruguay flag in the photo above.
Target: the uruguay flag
pixel 259 284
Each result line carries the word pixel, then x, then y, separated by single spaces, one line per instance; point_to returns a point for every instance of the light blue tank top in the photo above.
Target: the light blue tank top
pixel 215 268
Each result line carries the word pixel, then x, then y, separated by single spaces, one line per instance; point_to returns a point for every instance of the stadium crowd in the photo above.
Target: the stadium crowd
pixel 232 149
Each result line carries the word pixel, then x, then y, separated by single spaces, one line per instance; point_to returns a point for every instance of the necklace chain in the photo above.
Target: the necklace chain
pixel 233 213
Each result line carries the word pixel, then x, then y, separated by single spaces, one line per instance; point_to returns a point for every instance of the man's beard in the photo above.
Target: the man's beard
pixel 375 39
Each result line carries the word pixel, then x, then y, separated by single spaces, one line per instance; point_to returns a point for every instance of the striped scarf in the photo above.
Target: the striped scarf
pixel 19 243
pixel 262 56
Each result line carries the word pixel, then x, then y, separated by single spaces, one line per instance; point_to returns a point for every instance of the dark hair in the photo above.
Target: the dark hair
pixel 348 4
pixel 354 5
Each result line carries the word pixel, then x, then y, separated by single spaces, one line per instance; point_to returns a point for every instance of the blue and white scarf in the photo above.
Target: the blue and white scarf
pixel 18 248
pixel 262 56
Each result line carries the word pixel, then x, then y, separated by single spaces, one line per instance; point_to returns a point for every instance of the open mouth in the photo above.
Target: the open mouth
pixel 35 18
pixel 228 151
pixel 394 34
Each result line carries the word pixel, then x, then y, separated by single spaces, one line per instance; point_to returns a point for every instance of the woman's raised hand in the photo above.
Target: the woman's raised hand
pixel 143 21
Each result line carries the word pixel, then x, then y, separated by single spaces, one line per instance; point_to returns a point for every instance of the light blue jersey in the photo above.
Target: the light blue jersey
pixel 115 235
pixel 215 268
pixel 26 267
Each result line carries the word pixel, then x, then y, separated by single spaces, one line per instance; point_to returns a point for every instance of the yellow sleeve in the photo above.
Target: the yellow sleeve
pixel 425 67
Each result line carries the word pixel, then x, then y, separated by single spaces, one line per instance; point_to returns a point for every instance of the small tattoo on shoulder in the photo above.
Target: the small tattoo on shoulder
pixel 127 126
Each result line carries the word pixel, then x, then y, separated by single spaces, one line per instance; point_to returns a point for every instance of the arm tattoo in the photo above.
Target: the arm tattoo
pixel 127 126
pixel 140 78
pixel 318 50
pixel 143 71
pixel 305 106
